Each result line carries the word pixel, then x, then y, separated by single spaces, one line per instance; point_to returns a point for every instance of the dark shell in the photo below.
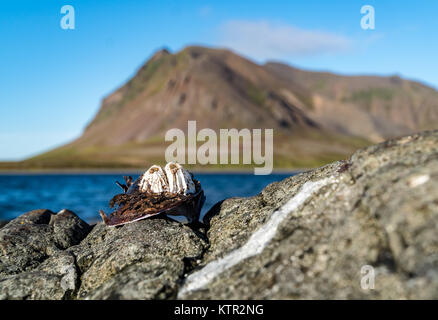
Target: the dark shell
pixel 135 205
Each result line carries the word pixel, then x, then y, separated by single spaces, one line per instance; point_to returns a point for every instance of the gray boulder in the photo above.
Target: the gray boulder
pixel 33 260
pixel 366 228
pixel 142 260
pixel 58 256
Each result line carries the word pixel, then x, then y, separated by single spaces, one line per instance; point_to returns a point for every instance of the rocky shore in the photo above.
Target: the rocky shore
pixel 307 237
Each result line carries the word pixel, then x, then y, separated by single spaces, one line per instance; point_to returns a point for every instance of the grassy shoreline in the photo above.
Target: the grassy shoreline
pixel 136 171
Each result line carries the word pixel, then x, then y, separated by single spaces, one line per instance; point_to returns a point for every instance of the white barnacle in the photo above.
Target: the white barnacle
pixel 154 180
pixel 179 179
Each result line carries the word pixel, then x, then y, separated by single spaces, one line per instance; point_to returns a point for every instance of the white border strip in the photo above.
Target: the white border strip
pixel 256 243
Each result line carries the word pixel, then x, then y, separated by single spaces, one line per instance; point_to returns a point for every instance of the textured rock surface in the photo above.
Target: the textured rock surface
pixel 142 260
pixel 33 260
pixel 42 257
pixel 378 209
pixel 306 237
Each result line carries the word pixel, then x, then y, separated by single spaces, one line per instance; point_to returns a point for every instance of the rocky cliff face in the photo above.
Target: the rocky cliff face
pixel 307 237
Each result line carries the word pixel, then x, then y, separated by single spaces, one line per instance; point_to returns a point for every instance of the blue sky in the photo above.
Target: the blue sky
pixel 52 80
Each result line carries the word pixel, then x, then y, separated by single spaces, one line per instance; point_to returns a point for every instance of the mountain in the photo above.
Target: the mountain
pixel 317 117
pixel 376 108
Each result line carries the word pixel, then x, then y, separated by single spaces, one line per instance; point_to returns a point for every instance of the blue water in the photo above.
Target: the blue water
pixel 85 194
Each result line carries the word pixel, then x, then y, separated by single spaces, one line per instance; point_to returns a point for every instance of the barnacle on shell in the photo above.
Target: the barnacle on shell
pixel 173 179
pixel 154 180
pixel 180 180
pixel 173 191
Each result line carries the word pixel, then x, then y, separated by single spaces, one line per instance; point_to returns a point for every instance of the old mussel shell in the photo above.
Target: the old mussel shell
pixel 172 191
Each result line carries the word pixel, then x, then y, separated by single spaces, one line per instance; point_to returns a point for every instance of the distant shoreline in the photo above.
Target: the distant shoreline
pixel 131 171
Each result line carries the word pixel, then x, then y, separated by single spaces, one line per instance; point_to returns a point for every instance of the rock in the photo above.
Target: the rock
pixel 33 260
pixel 58 256
pixel 30 239
pixel 2 223
pixel 322 234
pixel 54 279
pixel 142 260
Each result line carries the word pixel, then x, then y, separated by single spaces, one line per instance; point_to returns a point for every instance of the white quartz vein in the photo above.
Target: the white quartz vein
pixel 256 243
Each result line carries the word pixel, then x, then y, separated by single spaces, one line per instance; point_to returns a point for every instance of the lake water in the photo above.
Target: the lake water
pixel 85 194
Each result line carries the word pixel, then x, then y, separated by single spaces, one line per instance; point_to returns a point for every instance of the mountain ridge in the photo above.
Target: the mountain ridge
pixel 317 117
